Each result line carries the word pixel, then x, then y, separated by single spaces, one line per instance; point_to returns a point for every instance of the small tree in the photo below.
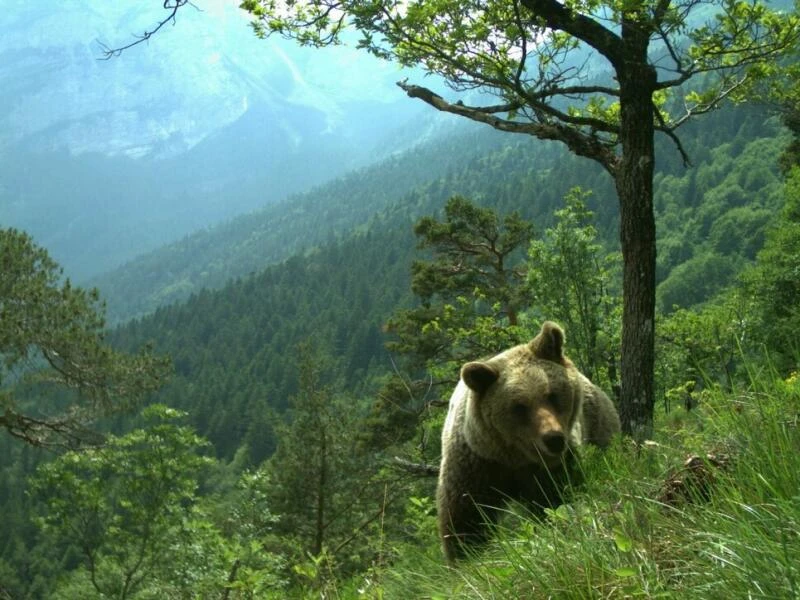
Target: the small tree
pixel 319 480
pixel 52 335
pixel 540 59
pixel 471 290
pixel 472 295
pixel 570 277
pixel 125 506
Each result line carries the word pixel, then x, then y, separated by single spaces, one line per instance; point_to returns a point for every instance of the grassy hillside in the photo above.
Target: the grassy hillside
pixel 707 510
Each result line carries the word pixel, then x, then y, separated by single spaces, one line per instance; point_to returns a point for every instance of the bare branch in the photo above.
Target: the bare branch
pixel 421 469
pixel 171 5
pixel 662 127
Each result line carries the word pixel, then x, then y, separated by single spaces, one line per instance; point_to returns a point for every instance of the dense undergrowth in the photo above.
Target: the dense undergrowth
pixel 708 509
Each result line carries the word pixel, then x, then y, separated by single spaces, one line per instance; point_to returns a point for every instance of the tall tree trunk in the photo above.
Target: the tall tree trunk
pixel 634 183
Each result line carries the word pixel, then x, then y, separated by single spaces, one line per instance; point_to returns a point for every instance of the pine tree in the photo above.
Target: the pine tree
pixel 52 337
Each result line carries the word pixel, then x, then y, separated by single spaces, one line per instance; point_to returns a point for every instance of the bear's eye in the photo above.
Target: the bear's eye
pixel 520 410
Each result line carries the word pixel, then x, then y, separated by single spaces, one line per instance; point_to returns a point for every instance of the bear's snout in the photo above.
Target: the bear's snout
pixel 555 442
pixel 551 439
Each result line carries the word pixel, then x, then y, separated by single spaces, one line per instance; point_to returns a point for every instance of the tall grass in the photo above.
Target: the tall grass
pixel 638 529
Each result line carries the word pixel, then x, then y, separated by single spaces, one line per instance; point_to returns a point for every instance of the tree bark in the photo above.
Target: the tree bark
pixel 634 183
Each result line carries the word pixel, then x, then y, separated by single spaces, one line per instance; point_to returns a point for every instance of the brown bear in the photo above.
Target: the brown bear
pixel 513 423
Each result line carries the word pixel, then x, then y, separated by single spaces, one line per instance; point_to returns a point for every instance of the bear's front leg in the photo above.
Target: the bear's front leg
pixel 464 522
pixel 468 498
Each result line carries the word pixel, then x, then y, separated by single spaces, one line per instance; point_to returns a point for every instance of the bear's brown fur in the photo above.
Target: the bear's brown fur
pixel 512 425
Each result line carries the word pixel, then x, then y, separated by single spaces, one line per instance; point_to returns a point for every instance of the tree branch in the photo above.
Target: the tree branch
pixel 560 18
pixel 65 432
pixel 231 579
pixel 423 469
pixel 583 144
pixel 660 11
pixel 705 107
pixel 662 127
pixel 171 5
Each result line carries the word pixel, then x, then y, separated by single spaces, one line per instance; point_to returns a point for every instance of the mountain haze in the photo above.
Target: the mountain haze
pixel 102 160
pixel 250 242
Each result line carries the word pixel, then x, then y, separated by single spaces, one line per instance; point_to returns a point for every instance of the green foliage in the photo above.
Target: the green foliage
pixel 572 281
pixel 470 291
pixel 471 249
pixel 791 118
pixel 315 459
pixel 346 497
pixel 52 335
pixel 756 317
pixel 774 281
pixel 697 279
pixel 246 523
pixel 712 222
pixel 126 507
pixel 696 348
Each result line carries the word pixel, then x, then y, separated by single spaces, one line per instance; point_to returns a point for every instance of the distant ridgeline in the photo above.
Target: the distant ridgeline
pixel 331 265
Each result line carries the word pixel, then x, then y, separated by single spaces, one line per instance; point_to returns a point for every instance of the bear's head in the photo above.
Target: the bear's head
pixel 524 404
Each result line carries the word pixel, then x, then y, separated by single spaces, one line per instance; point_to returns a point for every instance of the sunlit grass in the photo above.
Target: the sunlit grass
pixel 640 529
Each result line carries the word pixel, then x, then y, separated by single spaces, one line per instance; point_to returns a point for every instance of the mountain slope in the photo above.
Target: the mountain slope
pixel 209 258
pixel 510 172
pixel 104 160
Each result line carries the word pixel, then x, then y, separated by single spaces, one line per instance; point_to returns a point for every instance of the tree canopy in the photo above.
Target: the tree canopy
pixel 543 58
pixel 126 505
pixel 470 291
pixel 52 334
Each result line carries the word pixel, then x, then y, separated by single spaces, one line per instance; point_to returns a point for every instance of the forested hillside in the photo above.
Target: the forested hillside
pixel 235 350
pixel 210 258
pixel 241 308
pixel 492 169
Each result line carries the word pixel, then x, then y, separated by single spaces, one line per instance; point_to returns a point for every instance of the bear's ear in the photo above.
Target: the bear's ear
pixel 549 344
pixel 479 376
